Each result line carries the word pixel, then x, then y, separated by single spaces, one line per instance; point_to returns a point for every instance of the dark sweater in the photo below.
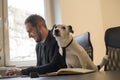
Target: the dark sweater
pixel 48 57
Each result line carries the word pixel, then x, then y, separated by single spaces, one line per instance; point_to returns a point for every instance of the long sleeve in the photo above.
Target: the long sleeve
pixel 56 63
pixel 52 60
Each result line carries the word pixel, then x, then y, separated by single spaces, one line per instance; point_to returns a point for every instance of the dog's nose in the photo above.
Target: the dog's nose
pixel 56 31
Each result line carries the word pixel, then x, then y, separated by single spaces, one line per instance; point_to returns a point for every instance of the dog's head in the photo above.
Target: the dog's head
pixel 62 31
pixel 62 34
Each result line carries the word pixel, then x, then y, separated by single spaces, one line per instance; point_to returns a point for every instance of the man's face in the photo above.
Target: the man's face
pixel 33 32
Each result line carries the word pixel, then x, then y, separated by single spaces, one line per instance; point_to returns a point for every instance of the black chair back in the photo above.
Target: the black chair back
pixel 112 42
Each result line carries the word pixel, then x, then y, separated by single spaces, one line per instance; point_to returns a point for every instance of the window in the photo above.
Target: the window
pixel 16 48
pixel 22 48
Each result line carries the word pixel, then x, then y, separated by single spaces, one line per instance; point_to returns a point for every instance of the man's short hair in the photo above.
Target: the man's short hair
pixel 34 19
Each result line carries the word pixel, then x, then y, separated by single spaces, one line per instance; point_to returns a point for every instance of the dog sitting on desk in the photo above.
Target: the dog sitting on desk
pixel 75 54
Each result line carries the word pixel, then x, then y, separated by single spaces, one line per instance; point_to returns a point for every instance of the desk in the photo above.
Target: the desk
pixel 101 75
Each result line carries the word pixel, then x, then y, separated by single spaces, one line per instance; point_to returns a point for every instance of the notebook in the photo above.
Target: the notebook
pixel 65 71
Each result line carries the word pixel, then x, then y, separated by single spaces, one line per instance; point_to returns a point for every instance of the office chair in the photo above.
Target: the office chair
pixel 112 42
pixel 84 41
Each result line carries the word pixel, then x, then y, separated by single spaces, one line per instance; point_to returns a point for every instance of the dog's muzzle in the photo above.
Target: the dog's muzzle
pixel 57 32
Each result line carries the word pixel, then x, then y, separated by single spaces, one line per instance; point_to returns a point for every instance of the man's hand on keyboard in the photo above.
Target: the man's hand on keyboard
pixel 13 71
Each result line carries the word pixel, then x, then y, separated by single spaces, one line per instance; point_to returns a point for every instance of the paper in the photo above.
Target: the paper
pixel 71 71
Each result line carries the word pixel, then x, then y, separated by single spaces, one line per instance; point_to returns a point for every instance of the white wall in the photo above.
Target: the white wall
pixel 110 13
pixel 93 16
pixel 85 15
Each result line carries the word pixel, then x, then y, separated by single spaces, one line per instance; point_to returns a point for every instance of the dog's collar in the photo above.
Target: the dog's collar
pixel 64 50
pixel 68 44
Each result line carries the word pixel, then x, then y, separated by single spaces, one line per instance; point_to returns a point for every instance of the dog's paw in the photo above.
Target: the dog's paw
pixel 104 61
pixel 106 57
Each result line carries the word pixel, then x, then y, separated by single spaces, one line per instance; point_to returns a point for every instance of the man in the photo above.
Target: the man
pixel 47 50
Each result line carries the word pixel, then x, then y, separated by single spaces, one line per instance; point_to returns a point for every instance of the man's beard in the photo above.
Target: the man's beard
pixel 39 37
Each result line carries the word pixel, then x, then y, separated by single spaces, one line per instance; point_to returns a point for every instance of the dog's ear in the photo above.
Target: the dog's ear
pixel 53 27
pixel 70 29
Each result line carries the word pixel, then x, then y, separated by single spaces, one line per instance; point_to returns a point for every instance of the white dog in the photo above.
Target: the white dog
pixel 75 55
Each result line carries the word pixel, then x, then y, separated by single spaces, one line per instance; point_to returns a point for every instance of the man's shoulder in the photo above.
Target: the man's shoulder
pixel 51 39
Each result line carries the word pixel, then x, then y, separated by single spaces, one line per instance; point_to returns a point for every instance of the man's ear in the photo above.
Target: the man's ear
pixel 53 27
pixel 70 29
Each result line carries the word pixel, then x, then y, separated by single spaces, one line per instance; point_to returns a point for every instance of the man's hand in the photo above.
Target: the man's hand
pixel 13 71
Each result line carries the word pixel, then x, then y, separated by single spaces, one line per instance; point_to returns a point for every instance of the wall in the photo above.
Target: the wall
pixel 110 13
pixel 94 16
pixel 86 15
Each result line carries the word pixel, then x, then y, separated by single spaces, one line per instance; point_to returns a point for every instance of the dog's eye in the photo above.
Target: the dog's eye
pixel 63 27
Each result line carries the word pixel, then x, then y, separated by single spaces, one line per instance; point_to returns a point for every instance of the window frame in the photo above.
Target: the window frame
pixel 5 54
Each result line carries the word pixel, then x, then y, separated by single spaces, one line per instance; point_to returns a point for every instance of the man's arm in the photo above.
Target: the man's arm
pixel 56 63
